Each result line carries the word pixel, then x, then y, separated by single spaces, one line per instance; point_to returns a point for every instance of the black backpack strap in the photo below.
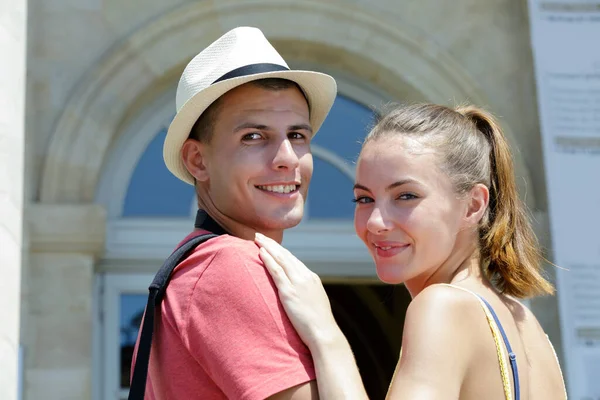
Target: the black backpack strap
pixel 157 291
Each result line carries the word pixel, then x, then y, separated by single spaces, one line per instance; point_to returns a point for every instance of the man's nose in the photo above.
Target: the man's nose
pixel 285 157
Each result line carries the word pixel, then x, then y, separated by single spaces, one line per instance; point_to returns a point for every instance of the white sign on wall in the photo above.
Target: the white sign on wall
pixel 566 47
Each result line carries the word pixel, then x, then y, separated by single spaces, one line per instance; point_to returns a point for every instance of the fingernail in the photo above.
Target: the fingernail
pixel 258 236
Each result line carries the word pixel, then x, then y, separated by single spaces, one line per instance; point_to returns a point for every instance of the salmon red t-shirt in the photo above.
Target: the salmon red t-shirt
pixel 222 332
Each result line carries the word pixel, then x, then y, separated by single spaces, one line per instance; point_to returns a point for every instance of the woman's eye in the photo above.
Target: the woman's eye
pixel 407 196
pixel 362 200
pixel 251 136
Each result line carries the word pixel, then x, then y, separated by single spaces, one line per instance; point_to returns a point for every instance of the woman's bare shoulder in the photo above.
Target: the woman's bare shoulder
pixel 440 328
pixel 446 300
pixel 448 316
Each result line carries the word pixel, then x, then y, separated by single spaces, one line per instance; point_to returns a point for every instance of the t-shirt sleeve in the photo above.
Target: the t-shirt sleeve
pixel 238 331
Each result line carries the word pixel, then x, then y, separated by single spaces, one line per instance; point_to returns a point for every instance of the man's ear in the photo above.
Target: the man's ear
pixel 193 154
pixel 478 201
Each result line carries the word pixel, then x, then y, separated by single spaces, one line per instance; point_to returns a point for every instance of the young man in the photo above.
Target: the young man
pixel 242 136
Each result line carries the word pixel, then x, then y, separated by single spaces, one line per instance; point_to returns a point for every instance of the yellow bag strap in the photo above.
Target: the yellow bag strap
pixel 498 340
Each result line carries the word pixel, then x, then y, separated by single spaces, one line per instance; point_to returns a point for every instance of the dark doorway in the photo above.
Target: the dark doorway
pixel 371 316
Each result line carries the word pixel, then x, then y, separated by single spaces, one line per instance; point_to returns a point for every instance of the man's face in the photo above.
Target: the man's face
pixel 258 162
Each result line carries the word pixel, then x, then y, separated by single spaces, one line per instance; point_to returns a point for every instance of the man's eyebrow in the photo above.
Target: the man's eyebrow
pixel 300 127
pixel 261 127
pixel 250 125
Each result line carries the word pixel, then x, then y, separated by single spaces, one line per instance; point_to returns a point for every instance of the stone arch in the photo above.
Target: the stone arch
pixel 399 59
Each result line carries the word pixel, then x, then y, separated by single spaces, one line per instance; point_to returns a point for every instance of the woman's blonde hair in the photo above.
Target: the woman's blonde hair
pixel 473 149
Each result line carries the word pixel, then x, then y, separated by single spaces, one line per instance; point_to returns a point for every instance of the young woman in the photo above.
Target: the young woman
pixel 438 209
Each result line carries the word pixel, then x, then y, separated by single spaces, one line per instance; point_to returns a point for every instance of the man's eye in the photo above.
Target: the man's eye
pixel 296 136
pixel 251 136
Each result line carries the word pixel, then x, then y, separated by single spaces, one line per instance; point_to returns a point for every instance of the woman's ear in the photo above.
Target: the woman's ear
pixel 479 198
pixel 193 154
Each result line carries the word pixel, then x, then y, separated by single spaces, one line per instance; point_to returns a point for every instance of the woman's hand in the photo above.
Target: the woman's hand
pixel 301 293
pixel 307 305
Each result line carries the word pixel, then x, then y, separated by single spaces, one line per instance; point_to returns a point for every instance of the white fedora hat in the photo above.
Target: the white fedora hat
pixel 240 56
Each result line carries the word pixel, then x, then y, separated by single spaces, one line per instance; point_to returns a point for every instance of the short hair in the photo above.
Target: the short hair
pixel 203 128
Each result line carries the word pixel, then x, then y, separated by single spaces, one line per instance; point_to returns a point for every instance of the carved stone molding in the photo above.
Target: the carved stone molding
pixel 66 228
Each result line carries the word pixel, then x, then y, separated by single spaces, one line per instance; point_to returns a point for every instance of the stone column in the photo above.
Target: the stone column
pixel 65 242
pixel 13 47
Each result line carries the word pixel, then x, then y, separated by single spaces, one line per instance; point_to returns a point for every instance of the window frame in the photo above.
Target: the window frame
pixel 113 286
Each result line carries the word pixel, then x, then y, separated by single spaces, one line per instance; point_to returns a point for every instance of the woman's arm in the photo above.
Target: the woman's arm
pixel 307 305
pixel 336 370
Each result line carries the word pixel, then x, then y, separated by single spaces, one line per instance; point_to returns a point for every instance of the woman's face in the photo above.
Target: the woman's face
pixel 407 212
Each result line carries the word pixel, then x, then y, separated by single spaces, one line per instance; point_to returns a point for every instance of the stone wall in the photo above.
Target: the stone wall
pixel 65 242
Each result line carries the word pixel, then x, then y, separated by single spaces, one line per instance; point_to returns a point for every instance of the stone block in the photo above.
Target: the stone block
pixel 68 228
pixel 58 384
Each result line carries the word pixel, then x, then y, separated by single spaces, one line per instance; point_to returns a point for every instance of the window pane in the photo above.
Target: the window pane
pixel 155 192
pixel 330 194
pixel 345 128
pixel 131 312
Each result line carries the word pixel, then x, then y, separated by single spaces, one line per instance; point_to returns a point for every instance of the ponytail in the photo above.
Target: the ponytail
pixel 510 253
